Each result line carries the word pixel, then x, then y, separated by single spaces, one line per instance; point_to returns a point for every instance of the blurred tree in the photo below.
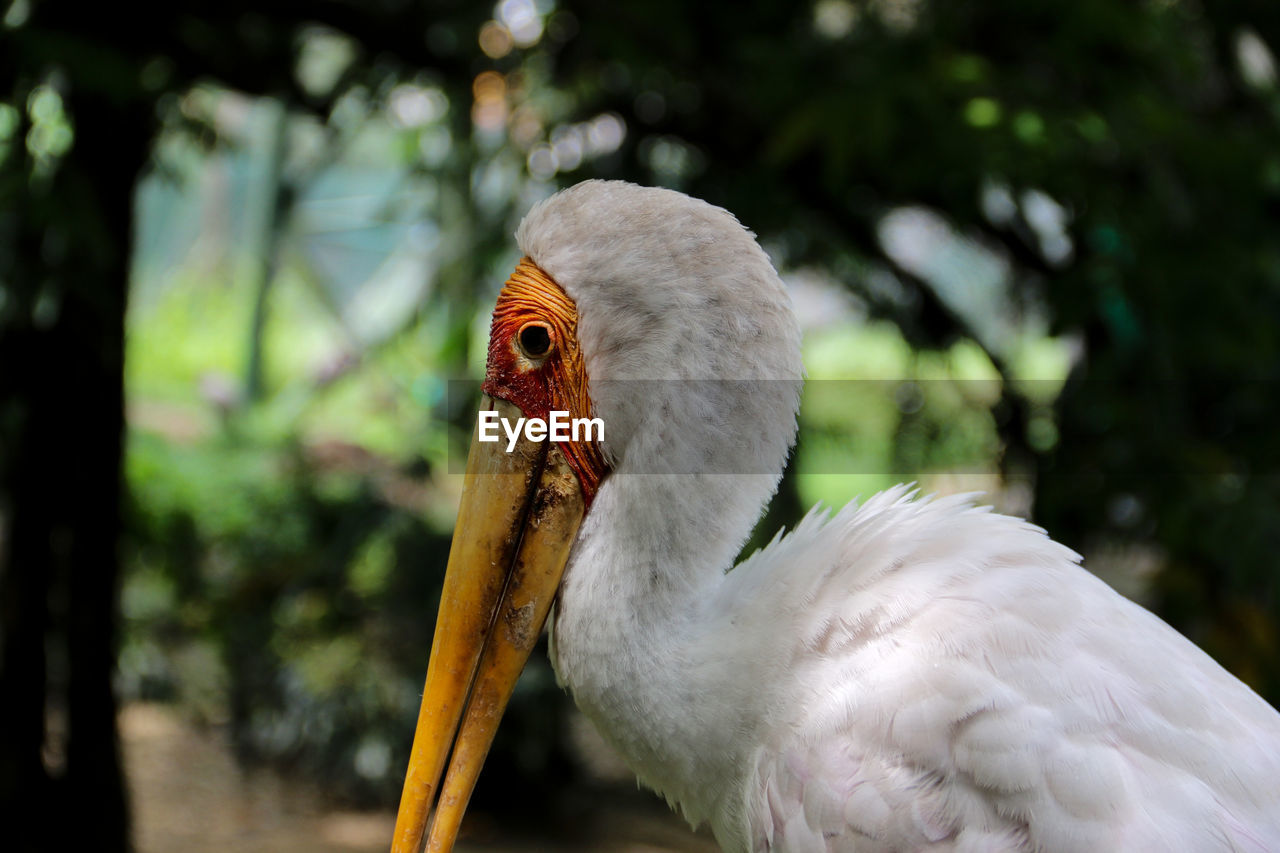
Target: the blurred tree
pixel 69 155
pixel 81 87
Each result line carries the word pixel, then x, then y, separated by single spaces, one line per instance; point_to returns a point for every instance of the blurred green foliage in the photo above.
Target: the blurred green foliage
pixel 262 590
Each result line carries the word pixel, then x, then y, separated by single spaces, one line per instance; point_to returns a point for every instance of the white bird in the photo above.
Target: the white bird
pixel 907 674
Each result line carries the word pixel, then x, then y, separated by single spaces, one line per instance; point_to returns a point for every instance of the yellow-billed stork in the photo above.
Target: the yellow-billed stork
pixel 908 674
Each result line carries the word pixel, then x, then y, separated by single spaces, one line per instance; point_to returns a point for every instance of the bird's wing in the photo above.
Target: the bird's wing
pixel 955 680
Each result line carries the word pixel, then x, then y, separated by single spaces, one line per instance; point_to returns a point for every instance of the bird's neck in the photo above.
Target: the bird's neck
pixel 639 636
pixel 632 633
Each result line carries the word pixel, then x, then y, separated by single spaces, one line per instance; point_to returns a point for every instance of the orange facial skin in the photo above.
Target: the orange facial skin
pixel 538 380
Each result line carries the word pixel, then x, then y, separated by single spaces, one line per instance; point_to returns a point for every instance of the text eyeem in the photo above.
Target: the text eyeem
pixel 557 427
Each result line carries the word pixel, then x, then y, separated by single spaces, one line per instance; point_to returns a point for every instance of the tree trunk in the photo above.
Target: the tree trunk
pixel 61 430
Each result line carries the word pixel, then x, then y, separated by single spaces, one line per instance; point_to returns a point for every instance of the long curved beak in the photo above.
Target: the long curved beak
pixel 519 515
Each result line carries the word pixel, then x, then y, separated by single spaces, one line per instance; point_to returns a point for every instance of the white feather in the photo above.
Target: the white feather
pixel 910 674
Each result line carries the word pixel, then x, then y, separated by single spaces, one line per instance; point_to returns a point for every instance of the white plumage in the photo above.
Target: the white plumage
pixel 908 674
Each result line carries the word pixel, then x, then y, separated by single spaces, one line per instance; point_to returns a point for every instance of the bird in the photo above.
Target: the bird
pixel 910 672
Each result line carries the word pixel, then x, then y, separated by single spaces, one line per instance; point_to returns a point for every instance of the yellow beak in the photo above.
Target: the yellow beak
pixel 519 515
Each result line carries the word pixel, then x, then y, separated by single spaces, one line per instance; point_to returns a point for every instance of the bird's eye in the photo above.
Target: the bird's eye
pixel 535 340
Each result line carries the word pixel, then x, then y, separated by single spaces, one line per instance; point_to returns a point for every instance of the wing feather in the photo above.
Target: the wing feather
pixel 961 683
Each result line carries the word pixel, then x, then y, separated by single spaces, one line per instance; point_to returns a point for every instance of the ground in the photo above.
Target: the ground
pixel 189 794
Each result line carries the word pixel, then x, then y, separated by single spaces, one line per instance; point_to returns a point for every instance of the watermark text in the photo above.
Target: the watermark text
pixel 557 427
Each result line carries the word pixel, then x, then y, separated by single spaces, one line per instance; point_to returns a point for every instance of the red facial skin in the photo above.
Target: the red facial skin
pixel 539 383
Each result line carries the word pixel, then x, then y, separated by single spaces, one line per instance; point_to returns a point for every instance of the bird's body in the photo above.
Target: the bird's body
pixel 908 674
pixel 923 674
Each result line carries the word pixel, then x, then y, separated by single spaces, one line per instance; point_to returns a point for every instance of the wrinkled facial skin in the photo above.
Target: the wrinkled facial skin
pixel 535 361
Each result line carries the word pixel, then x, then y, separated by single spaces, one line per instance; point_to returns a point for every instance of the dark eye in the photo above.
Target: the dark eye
pixel 535 340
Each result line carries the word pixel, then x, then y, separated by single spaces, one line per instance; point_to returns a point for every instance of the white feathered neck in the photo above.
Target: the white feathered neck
pixel 693 356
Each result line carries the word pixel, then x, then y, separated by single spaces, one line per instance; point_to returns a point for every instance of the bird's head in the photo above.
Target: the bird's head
pixel 657 314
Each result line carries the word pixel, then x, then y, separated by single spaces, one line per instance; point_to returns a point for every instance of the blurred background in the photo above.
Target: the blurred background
pixel 246 247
